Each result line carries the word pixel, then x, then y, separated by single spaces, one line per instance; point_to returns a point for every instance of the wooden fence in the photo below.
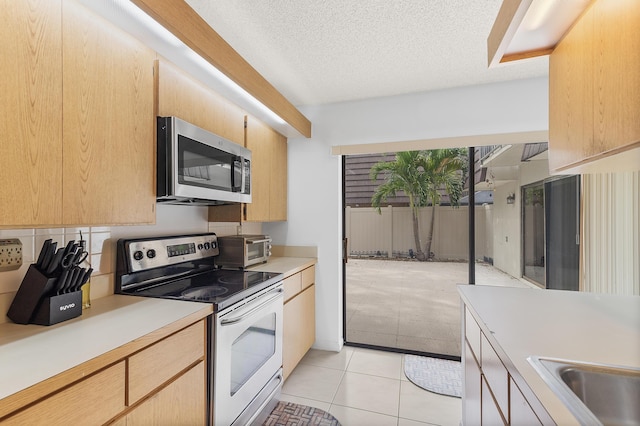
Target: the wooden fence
pixel 390 234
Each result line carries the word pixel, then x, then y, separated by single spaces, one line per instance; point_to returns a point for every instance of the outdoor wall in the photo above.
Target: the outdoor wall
pixel 314 186
pixel 391 232
pixel 507 237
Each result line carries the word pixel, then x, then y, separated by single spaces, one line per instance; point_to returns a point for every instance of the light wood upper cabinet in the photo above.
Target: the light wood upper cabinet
pixel 268 173
pixel 30 113
pixel 77 120
pixel 594 91
pixel 108 123
pixel 268 178
pixel 181 96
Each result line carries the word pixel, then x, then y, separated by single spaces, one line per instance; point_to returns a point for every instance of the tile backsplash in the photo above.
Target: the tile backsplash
pixel 101 245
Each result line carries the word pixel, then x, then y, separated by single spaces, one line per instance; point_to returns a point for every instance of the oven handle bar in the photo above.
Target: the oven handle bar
pixel 230 321
pixel 265 240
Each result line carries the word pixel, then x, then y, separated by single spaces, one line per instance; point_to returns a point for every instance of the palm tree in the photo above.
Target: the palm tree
pixel 420 175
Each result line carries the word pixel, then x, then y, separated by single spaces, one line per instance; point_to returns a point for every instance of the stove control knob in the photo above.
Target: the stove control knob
pixel 207 246
pixel 214 244
pixel 151 253
pixel 138 255
pixel 200 246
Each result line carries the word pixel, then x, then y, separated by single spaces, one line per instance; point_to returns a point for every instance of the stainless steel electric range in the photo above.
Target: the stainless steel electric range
pixel 245 338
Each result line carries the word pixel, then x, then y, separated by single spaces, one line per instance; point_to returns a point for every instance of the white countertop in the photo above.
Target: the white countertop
pixel 285 265
pixel 577 326
pixel 30 354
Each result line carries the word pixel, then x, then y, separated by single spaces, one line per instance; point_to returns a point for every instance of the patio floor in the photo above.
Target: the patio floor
pixel 411 305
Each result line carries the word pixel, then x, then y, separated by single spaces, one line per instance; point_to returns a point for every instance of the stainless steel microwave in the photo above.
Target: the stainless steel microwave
pixel 195 166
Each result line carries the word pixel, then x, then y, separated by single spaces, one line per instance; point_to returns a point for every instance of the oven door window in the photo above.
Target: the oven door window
pixel 255 251
pixel 251 350
pixel 205 166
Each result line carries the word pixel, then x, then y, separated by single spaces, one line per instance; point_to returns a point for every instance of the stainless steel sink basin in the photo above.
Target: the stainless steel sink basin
pixel 595 393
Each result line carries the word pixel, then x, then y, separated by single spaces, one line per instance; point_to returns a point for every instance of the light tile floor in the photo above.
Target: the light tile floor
pixel 367 387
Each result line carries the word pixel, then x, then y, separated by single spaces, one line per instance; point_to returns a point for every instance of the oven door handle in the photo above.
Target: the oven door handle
pixel 264 240
pixel 230 321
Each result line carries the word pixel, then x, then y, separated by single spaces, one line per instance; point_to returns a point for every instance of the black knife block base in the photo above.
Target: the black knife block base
pixel 35 285
pixel 58 308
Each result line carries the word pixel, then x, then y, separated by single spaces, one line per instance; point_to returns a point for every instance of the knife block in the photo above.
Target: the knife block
pixel 35 285
pixel 55 309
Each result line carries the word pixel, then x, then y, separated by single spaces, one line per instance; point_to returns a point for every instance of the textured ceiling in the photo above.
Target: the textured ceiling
pixel 324 51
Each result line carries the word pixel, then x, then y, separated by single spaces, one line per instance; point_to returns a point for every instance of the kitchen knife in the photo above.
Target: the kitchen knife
pixel 43 252
pixel 84 279
pixel 55 262
pixel 51 249
pixel 73 275
pixel 62 282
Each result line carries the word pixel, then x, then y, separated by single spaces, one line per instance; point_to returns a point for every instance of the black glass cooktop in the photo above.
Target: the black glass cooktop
pixel 222 288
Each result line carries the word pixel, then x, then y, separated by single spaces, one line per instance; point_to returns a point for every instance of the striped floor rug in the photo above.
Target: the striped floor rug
pixel 436 375
pixel 290 414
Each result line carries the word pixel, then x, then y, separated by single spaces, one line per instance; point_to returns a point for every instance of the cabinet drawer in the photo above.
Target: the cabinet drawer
pixel 472 333
pixel 308 277
pixel 94 400
pixel 472 388
pixel 158 363
pixel 292 286
pixel 496 375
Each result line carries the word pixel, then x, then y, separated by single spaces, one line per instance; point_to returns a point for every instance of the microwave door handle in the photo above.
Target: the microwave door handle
pixel 243 174
pixel 234 185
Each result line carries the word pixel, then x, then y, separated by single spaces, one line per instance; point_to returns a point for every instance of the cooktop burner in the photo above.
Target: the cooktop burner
pixel 204 293
pixel 184 268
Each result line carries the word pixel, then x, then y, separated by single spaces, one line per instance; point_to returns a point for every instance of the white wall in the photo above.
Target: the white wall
pixel 507 236
pixel 315 210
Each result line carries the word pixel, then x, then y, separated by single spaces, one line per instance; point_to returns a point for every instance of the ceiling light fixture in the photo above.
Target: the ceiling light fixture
pixel 136 22
pixel 530 28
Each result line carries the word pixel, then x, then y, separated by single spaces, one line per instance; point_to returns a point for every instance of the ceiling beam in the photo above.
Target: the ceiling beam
pixel 181 20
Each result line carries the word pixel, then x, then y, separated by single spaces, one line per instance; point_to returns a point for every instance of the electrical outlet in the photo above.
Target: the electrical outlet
pixel 10 254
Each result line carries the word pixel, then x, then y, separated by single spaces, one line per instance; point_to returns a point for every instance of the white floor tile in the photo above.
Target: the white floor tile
pixel 352 417
pixel 370 393
pixel 428 407
pixel 309 381
pixel 407 422
pixel 328 359
pixel 305 401
pixel 376 363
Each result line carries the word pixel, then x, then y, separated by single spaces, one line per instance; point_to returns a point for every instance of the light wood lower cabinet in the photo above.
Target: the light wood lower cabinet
pixel 92 401
pixel 163 383
pixel 299 321
pixel 491 396
pixel 179 403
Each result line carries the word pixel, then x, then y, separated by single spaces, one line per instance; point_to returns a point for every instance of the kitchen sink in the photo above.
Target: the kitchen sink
pixel 595 393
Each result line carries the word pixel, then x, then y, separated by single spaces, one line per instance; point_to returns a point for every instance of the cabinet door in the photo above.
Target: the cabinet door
pixel 30 113
pixel 108 123
pixel 181 96
pixel 183 402
pixel 472 388
pixel 299 326
pixel 594 90
pixel 268 173
pixel 521 412
pixel 278 178
pixel 491 414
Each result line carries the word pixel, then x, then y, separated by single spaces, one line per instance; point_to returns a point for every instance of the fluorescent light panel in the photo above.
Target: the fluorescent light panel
pixel 544 24
pixel 136 22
